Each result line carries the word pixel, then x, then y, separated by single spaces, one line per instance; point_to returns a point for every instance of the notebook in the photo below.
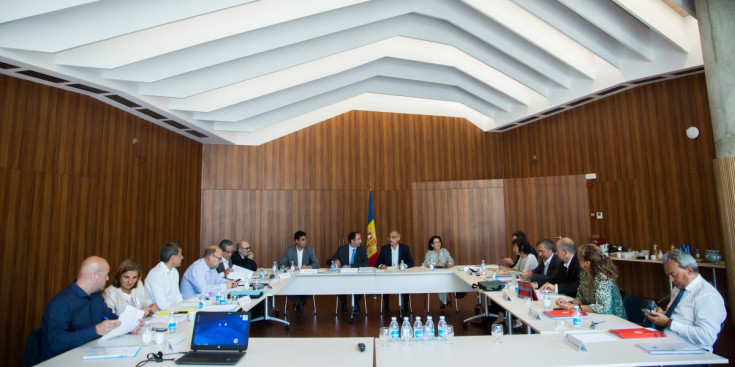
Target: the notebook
pixel 219 338
pixel 640 332
pixel 564 314
pixel 669 348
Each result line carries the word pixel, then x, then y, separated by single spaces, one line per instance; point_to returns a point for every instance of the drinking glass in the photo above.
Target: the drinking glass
pixel 497 332
pixel 450 333
pixel 561 327
pixel 384 335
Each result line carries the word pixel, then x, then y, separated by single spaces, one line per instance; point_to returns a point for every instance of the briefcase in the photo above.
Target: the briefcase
pixel 491 285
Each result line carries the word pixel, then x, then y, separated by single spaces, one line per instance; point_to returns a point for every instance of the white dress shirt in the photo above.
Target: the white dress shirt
pixel 394 255
pixel 547 262
pixel 162 286
pixel 699 314
pixel 299 257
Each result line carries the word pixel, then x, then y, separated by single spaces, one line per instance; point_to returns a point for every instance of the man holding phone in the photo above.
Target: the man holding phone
pixel 696 309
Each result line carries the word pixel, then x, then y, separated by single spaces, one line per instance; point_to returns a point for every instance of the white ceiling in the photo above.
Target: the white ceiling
pixel 246 72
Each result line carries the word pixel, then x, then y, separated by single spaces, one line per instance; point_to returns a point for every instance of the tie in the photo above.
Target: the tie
pixel 670 310
pixel 352 257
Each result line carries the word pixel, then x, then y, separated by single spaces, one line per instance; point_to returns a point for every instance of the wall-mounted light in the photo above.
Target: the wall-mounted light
pixel 692 132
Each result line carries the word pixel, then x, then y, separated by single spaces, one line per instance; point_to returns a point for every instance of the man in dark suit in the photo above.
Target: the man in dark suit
pixel 225 265
pixel 303 257
pixel 391 255
pixel 567 279
pixel 243 256
pixel 351 255
pixel 549 264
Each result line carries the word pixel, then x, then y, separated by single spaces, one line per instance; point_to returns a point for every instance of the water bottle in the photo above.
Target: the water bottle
pixel 222 298
pixel 171 322
pixel 418 329
pixel 431 266
pixel 293 266
pixel 218 297
pixel 332 268
pixel 275 267
pixel 482 267
pixel 202 300
pixel 403 266
pixel 547 300
pixel 494 274
pixel 577 317
pixel 406 331
pixel 147 334
pixel 393 329
pixel 441 328
pixel 429 330
pixel 262 273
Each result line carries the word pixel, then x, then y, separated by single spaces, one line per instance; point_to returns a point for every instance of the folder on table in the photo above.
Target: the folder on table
pixel 639 332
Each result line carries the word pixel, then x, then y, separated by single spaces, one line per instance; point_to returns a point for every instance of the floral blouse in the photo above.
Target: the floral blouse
pixel 603 297
pixel 444 257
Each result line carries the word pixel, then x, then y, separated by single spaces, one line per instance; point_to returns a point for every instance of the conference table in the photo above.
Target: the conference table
pixel 467 349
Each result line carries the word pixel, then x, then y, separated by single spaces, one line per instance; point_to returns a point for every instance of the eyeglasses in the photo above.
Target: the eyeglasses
pixel 245 248
pixel 218 257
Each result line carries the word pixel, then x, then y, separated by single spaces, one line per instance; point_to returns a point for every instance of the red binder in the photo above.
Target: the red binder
pixel 563 314
pixel 635 333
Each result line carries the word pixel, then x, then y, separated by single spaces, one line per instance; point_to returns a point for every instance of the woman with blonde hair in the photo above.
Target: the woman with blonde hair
pixel 598 290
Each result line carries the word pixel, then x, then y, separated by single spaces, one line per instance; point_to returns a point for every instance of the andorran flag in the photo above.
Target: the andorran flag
pixel 372 240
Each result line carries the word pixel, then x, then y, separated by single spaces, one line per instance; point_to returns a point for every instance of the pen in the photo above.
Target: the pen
pixel 104 318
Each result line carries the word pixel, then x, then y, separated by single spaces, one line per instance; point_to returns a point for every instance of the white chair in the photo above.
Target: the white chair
pixel 428 302
pixel 336 304
pixel 285 305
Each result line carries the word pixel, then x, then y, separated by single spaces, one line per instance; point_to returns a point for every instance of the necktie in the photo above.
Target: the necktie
pixel 352 258
pixel 670 310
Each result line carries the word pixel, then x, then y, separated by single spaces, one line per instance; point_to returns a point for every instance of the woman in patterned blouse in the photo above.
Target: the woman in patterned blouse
pixel 598 290
pixel 441 258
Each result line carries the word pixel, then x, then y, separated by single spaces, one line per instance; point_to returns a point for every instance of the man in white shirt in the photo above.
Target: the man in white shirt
pixel 225 265
pixel 202 276
pixel 303 257
pixel 696 309
pixel 162 282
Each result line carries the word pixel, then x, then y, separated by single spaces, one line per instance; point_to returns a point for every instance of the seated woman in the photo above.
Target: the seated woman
pixel 513 260
pixel 127 289
pixel 527 261
pixel 441 258
pixel 598 290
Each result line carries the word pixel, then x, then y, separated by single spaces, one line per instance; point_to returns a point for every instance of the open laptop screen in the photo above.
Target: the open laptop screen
pixel 221 331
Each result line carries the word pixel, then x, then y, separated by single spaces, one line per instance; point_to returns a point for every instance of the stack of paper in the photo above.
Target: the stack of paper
pixel 112 352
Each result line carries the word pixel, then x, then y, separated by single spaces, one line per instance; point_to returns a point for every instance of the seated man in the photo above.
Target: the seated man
pixel 78 314
pixel 391 255
pixel 303 257
pixel 243 257
pixel 225 265
pixel 162 282
pixel 696 309
pixel 566 280
pixel 349 256
pixel 202 276
pixel 550 264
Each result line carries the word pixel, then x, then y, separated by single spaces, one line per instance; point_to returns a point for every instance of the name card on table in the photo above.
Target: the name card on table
pixel 284 276
pixel 178 343
pixel 348 270
pixel 309 271
pixel 243 300
pixel 534 314
pixel 506 297
pixel 575 343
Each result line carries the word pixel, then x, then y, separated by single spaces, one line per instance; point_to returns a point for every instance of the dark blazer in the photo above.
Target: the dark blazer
pixel 246 263
pixel 343 255
pixel 308 258
pixel 385 258
pixel 567 280
pixel 221 268
pixel 540 277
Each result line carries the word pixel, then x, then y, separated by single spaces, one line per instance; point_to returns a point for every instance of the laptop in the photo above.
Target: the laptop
pixel 218 338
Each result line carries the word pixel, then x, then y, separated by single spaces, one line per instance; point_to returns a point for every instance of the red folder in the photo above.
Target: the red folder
pixel 635 333
pixel 563 314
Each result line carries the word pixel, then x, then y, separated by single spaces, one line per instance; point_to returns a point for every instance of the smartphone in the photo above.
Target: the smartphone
pixel 647 311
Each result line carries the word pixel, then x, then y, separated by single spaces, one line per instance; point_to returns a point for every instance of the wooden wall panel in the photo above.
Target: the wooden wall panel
pixel 653 183
pixel 72 187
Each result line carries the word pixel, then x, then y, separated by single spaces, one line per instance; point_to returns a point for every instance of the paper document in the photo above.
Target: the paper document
pixel 128 322
pixel 240 273
pixel 670 348
pixel 112 352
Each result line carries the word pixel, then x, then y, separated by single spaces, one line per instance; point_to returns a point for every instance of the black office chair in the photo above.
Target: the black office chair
pixel 32 352
pixel 633 309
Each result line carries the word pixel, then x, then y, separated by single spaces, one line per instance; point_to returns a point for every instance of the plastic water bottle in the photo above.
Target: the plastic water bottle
pixel 418 330
pixel 494 274
pixel 332 268
pixel 547 300
pixel 403 266
pixel 429 330
pixel 147 334
pixel 393 329
pixel 275 267
pixel 441 328
pixel 577 317
pixel 171 322
pixel 202 300
pixel 431 266
pixel 406 331
pixel 262 273
pixel 217 297
pixel 222 298
pixel 482 267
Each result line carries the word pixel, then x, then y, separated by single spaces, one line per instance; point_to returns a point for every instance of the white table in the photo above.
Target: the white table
pixel 528 350
pixel 261 351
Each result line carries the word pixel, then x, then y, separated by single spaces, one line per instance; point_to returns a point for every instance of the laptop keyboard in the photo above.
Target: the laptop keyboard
pixel 210 358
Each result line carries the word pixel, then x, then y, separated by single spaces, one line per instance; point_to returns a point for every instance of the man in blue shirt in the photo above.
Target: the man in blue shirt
pixel 202 276
pixel 78 314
